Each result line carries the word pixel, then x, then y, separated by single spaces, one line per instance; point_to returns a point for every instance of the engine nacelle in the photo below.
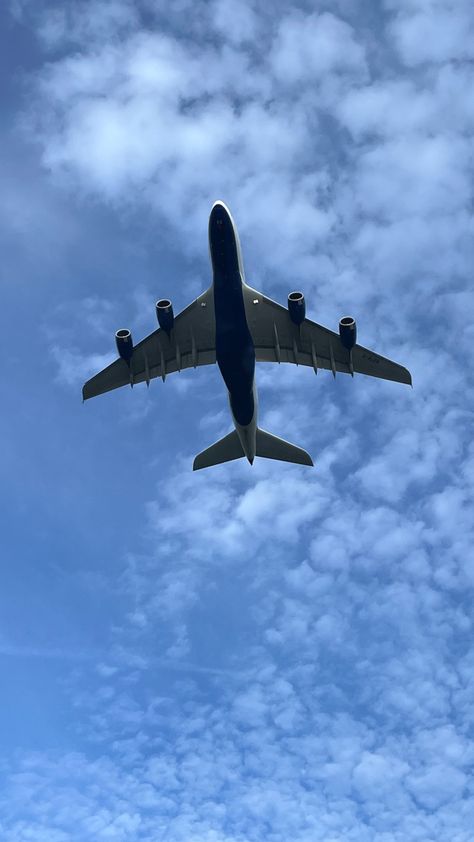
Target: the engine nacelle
pixel 348 332
pixel 296 307
pixel 124 341
pixel 165 315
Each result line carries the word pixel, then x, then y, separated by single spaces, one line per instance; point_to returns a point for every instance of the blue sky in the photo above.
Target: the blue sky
pixel 243 654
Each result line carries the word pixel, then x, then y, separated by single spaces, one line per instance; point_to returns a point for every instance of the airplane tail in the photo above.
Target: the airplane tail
pixel 273 447
pixel 268 446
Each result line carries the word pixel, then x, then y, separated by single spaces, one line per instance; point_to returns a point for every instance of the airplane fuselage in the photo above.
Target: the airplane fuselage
pixel 235 352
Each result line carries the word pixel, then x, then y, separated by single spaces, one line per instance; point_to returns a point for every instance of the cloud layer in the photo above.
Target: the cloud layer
pixel 287 654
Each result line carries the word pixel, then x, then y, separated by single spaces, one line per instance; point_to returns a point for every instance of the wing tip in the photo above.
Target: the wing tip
pixel 409 379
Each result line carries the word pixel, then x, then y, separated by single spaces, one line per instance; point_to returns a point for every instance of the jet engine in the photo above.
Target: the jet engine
pixel 348 332
pixel 165 315
pixel 296 307
pixel 124 341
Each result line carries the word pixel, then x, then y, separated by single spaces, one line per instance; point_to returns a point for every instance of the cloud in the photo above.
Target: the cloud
pixel 60 27
pixel 311 47
pixel 236 21
pixel 414 178
pixel 438 785
pixel 407 107
pixel 291 653
pixel 224 138
pixel 11 650
pixel 74 368
pixel 432 33
pixel 119 120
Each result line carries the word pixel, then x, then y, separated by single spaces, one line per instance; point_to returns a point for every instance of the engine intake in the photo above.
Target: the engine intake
pixel 165 315
pixel 296 307
pixel 124 341
pixel 348 332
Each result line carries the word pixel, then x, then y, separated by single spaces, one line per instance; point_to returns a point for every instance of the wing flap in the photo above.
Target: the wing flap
pixel 299 357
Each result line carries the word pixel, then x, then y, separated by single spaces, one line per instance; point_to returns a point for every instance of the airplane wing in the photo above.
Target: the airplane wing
pixel 277 339
pixel 192 342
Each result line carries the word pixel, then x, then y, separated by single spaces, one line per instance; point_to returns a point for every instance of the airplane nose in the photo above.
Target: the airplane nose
pixel 223 243
pixel 219 212
pixel 219 220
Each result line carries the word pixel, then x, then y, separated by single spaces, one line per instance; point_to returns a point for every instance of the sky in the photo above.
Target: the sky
pixel 244 654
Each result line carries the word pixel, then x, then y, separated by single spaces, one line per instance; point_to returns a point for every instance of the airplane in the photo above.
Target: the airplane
pixel 235 325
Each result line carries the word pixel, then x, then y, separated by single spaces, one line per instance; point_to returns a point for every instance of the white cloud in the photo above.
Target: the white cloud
pixel 375 776
pixel 433 33
pixel 414 178
pixel 85 21
pixel 74 368
pixel 216 124
pixel 309 47
pixel 235 20
pixel 398 108
pixel 294 654
pixel 437 785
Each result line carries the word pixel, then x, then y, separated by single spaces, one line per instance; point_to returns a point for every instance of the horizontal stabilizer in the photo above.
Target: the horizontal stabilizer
pixel 224 450
pixel 272 447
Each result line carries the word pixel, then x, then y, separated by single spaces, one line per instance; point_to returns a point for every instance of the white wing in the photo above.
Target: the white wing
pixel 277 339
pixel 192 342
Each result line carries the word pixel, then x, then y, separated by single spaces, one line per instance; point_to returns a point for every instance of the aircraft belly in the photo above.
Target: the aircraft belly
pixel 235 352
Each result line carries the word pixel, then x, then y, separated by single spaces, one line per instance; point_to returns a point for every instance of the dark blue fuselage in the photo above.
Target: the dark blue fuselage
pixel 235 352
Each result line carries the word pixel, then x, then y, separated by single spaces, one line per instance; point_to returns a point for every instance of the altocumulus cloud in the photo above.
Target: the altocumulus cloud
pixel 295 654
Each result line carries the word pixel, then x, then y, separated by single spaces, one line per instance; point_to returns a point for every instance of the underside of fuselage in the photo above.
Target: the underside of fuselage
pixel 235 352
